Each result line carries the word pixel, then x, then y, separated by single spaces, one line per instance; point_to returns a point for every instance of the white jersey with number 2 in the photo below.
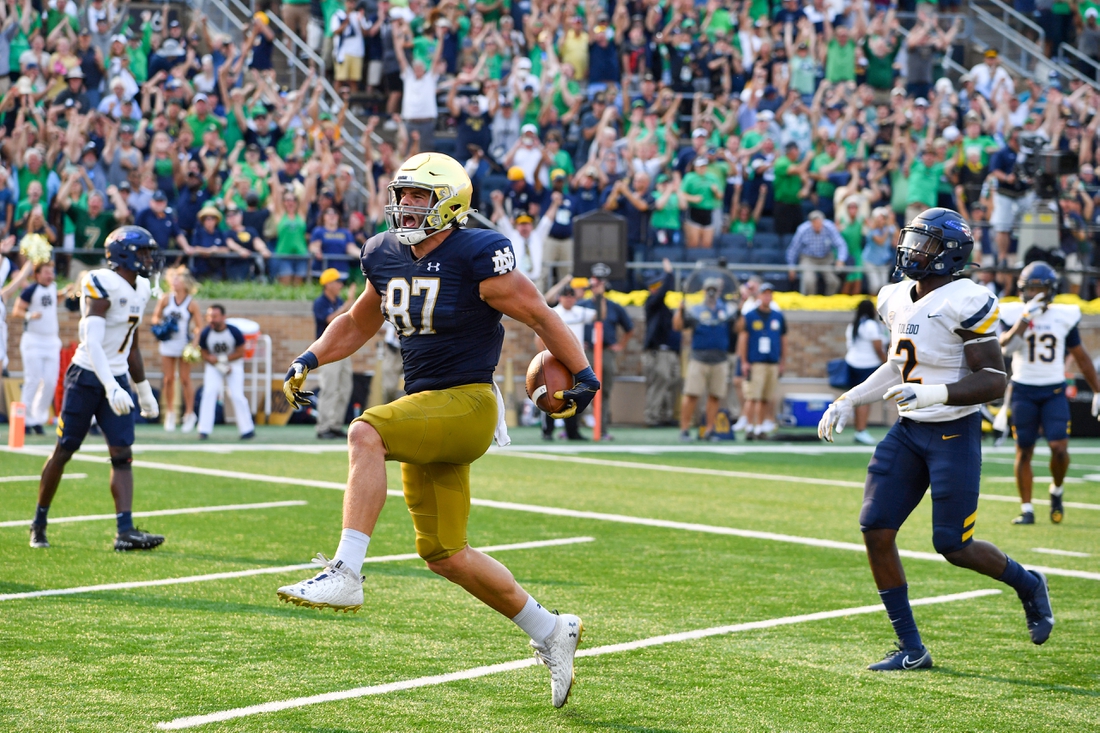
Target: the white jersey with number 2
pixel 1041 360
pixel 123 316
pixel 924 343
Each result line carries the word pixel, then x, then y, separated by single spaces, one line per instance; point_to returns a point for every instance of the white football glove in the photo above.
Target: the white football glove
pixel 912 396
pixel 837 416
pixel 1034 307
pixel 120 400
pixel 223 365
pixel 150 410
pixel 1096 405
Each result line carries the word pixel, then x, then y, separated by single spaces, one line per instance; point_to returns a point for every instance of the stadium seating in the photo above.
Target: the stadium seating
pixel 669 252
pixel 694 254
pixel 766 224
pixel 766 240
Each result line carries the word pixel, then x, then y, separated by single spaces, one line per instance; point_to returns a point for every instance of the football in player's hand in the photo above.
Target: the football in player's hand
pixel 545 377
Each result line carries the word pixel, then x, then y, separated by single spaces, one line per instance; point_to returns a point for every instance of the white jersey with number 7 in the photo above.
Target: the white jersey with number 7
pixel 123 316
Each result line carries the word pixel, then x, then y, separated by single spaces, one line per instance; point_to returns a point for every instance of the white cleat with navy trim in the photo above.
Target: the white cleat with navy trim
pixel 336 587
pixel 557 652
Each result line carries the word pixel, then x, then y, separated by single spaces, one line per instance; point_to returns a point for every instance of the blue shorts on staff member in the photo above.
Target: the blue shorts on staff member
pixel 86 398
pixel 913 454
pixel 1039 406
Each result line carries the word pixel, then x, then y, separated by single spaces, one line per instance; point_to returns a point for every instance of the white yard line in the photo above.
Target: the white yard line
pixel 620 518
pixel 270 571
pixel 7 479
pixel 163 512
pixel 1066 553
pixel 469 674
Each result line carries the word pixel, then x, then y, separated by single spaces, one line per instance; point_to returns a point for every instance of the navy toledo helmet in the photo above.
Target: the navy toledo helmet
pixel 135 249
pixel 936 242
pixel 1038 276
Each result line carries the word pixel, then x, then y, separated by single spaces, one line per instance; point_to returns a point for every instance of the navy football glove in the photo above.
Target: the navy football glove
pixel 296 380
pixel 582 394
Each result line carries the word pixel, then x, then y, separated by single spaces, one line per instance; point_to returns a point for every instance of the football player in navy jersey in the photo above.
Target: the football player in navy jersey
pixel 444 289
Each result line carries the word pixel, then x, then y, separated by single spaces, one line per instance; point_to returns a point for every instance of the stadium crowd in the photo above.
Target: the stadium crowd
pixel 797 135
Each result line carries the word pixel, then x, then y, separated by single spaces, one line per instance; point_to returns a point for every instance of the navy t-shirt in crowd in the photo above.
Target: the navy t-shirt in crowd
pixel 322 309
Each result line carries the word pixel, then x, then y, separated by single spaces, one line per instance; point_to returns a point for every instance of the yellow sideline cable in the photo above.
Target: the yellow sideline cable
pixel 793 301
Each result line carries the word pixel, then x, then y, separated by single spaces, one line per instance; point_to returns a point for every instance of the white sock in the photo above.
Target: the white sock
pixel 1026 508
pixel 353 549
pixel 1056 490
pixel 536 620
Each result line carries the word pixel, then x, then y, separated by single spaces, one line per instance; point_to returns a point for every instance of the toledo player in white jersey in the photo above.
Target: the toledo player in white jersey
pixel 40 345
pixel 1039 334
pixel 944 361
pixel 96 385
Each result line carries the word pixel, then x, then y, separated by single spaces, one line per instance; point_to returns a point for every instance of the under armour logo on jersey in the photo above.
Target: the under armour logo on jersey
pixel 432 267
pixel 503 261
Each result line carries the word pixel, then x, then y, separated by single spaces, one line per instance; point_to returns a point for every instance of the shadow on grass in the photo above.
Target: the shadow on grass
pixel 1023 683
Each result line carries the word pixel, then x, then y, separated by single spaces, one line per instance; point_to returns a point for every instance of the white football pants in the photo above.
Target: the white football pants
pixel 213 384
pixel 40 372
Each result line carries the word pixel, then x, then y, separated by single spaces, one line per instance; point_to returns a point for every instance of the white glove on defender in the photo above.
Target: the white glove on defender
pixel 837 416
pixel 150 410
pixel 1096 405
pixel 1034 307
pixel 120 400
pixel 912 396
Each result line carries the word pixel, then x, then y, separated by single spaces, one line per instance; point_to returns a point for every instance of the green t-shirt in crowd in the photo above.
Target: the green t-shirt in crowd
pixel 695 185
pixel 291 236
pixel 880 69
pixel 199 126
pixel 720 23
pixel 26 176
pixel 824 188
pixel 840 61
pixel 91 232
pixel 982 143
pixel 667 217
pixel 747 229
pixel 787 186
pixel 751 139
pixel 924 182
pixel 328 9
pixel 559 100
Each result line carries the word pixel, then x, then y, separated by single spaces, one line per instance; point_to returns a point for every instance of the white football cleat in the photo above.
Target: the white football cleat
pixel 740 425
pixel 556 652
pixel 335 587
pixel 189 421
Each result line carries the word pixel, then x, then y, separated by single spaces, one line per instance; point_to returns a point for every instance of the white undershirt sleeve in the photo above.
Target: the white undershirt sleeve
pixel 872 389
pixel 92 331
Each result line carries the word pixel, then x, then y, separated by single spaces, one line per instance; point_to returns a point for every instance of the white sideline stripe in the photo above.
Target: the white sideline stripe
pixel 270 571
pixel 1016 500
pixel 1037 479
pixel 1052 551
pixel 555 511
pixel 7 479
pixel 163 512
pixel 469 674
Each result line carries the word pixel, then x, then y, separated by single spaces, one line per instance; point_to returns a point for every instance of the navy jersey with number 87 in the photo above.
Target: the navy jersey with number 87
pixel 449 335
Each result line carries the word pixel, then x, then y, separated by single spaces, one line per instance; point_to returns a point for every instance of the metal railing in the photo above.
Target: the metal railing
pixel 1078 59
pixel 1019 54
pixel 237 17
pixel 1015 20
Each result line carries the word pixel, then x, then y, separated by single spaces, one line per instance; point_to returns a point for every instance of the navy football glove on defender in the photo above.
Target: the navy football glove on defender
pixel 582 394
pixel 296 380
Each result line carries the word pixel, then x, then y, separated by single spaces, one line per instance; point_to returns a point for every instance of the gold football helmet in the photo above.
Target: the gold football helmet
pixel 449 204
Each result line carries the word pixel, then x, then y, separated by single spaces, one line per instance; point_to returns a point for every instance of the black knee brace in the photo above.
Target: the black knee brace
pixel 122 463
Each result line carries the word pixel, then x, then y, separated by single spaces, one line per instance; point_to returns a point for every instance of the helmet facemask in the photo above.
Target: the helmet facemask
pixel 919 253
pixel 423 221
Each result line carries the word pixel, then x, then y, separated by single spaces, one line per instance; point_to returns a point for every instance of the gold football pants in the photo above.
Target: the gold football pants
pixel 436 435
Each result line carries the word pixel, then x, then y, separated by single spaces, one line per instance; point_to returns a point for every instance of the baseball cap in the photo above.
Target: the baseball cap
pixel 74 73
pixel 557 173
pixel 951 133
pixel 701 160
pixel 330 275
pixel 529 128
pixel 212 127
pixel 159 195
pixel 766 115
pixel 523 63
pixel 252 148
pixel 118 38
pixel 523 218
pixel 767 285
pixel 200 97
pixel 637 103
pixel 699 132
pixel 920 102
pixel 991 53
pixel 252 199
pixel 515 173
pixel 1091 13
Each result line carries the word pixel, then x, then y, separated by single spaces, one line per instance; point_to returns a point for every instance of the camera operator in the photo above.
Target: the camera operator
pixel 1013 194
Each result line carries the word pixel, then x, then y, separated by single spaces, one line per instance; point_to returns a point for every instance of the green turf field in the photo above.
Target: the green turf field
pixel 128 659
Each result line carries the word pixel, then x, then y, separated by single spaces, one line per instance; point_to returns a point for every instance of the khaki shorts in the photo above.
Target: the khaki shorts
pixel 762 382
pixel 351 69
pixel 436 435
pixel 710 379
